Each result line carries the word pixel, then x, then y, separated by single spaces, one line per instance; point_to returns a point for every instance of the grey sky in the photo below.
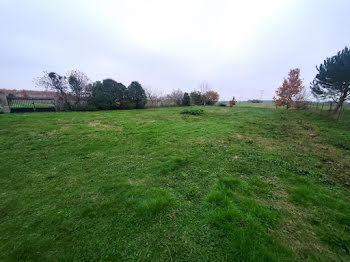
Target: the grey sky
pixel 238 47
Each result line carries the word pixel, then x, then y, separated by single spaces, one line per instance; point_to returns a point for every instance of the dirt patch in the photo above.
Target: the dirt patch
pixel 94 123
pixel 51 133
pixel 136 181
pixel 100 126
pixel 239 137
pixel 265 143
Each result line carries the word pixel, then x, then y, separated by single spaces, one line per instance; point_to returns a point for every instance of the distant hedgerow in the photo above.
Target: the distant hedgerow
pixel 195 112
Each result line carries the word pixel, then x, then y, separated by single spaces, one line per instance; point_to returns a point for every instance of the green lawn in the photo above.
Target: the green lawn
pixel 234 184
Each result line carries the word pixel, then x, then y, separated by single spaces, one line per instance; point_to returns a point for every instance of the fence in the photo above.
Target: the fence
pixel 327 109
pixel 22 105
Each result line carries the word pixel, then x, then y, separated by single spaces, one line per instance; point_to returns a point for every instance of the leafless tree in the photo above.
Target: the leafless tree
pixel 301 100
pixel 78 82
pixel 57 83
pixel 53 81
pixel 175 97
pixel 153 96
pixel 204 88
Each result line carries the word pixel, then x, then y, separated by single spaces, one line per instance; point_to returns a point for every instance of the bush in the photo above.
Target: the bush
pixel 195 112
pixel 255 101
pixel 110 94
pixel 233 102
pixel 222 104
pixel 211 97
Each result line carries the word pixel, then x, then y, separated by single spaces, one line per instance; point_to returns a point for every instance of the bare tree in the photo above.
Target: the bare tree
pixel 153 96
pixel 175 97
pixel 57 83
pixel 53 81
pixel 301 99
pixel 204 88
pixel 78 82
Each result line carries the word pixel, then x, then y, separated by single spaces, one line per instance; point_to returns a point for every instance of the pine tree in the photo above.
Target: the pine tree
pixel 186 100
pixel 333 79
pixel 137 95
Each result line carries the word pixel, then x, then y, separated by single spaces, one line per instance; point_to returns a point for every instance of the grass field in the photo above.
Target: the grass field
pixel 234 184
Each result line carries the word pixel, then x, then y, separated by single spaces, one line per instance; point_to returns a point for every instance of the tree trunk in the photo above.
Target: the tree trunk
pixel 288 105
pixel 341 101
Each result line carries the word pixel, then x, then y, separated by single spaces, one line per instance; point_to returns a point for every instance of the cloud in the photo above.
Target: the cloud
pixel 239 47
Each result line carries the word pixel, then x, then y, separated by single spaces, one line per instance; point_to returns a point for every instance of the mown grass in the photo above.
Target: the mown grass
pixel 233 184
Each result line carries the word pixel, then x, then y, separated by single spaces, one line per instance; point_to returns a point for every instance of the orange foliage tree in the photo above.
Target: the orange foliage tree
pixel 233 102
pixel 290 90
pixel 211 97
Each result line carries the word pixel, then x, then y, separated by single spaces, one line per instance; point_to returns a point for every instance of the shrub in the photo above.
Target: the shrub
pixel 222 104
pixel 195 112
pixel 233 102
pixel 110 94
pixel 255 101
pixel 211 97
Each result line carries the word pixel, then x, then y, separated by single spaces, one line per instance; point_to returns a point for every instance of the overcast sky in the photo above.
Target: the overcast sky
pixel 239 47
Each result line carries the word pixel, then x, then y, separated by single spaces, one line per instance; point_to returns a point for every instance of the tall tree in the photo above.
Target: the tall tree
pixel 78 82
pixel 290 89
pixel 186 100
pixel 57 83
pixel 204 88
pixel 176 97
pixel 53 81
pixel 137 95
pixel 109 94
pixel 153 96
pixel 118 93
pixel 196 98
pixel 333 79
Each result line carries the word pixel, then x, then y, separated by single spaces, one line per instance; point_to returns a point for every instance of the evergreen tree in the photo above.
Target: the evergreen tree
pixel 136 95
pixel 109 94
pixel 196 98
pixel 333 79
pixel 186 100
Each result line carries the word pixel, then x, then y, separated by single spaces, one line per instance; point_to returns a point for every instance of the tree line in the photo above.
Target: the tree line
pixel 203 96
pixel 331 83
pixel 75 91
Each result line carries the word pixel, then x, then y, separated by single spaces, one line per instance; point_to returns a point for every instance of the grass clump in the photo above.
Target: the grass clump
pixel 195 111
